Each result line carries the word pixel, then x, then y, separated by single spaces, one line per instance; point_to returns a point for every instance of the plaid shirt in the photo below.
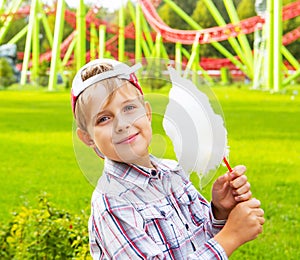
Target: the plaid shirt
pixel 139 213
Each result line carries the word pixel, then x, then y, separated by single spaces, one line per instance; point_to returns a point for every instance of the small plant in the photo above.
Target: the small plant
pixel 45 233
pixel 43 77
pixel 7 76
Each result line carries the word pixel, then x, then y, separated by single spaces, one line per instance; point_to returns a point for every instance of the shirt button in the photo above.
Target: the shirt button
pixel 187 227
pixel 153 173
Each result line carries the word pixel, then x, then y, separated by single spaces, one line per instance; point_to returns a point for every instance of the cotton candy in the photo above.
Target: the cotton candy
pixel 198 134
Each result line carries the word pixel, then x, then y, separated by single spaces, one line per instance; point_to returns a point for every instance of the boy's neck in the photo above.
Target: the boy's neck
pixel 144 162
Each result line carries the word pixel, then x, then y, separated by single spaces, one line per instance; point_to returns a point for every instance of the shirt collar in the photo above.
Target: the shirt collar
pixel 136 174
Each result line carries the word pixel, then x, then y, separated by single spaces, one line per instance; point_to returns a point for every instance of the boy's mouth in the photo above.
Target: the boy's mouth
pixel 128 139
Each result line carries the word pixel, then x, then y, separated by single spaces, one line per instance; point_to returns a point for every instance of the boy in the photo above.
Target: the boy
pixel 144 207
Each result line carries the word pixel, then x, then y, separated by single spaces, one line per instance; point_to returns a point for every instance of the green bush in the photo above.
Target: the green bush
pixel 7 76
pixel 45 233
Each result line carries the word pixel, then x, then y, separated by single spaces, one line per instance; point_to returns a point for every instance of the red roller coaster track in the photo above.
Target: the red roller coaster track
pixel 215 34
pixel 169 34
pixel 70 18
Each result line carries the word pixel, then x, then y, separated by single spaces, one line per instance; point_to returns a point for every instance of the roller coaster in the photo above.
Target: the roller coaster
pixel 150 34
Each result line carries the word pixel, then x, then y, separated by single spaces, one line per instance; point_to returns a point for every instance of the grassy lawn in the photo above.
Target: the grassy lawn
pixel 36 154
pixel 264 135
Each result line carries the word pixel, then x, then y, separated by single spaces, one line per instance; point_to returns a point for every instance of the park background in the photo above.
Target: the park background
pixel 44 195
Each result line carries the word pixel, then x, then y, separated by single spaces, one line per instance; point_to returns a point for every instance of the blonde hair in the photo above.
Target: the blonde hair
pixel 110 84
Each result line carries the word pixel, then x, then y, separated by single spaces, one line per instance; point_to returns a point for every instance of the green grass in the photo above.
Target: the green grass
pixel 264 134
pixel 36 154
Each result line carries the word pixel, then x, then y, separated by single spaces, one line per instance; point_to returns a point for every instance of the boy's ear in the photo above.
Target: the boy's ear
pixel 148 110
pixel 85 137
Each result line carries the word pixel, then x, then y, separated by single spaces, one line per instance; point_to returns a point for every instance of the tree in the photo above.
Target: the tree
pixel 288 26
pixel 246 9
pixel 7 76
pixel 16 26
pixel 172 19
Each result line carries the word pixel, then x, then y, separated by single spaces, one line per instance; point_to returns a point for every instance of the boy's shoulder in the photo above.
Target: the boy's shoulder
pixel 107 190
pixel 108 185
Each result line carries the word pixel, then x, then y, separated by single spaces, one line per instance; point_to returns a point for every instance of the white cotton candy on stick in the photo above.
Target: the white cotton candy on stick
pixel 198 134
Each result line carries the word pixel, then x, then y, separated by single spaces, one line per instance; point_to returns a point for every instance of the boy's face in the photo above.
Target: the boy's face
pixel 121 126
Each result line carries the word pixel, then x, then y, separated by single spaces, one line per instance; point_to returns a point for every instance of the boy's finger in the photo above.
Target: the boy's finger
pixel 243 197
pixel 239 181
pixel 242 190
pixel 259 212
pixel 238 171
pixel 222 179
pixel 261 220
pixel 253 203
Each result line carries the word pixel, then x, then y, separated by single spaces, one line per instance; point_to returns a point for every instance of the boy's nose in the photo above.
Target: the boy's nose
pixel 121 125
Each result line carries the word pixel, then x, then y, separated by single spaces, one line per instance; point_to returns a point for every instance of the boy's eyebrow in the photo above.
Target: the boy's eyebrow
pixel 129 100
pixel 98 114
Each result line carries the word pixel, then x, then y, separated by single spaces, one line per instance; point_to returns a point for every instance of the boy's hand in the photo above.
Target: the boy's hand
pixel 228 190
pixel 245 223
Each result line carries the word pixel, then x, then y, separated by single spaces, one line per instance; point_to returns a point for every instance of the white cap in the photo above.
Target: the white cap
pixel 120 70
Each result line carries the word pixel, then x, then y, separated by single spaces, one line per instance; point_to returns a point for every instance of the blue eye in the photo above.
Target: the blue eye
pixel 129 108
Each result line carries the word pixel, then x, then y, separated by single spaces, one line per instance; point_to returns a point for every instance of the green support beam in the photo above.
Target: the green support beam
pixel 270 44
pixel 147 33
pixel 121 45
pixel 19 35
pixel 259 58
pixel 274 45
pixel 290 58
pixel 241 37
pixel 93 41
pixel 36 45
pixel 224 75
pixel 69 52
pixel 15 5
pixel 138 33
pixel 158 42
pixel 196 26
pixel 163 51
pixel 233 42
pixel 46 25
pixel 102 40
pixel 277 72
pixel 32 20
pixel 178 56
pixel 291 78
pixel 145 30
pixel 58 31
pixel 194 62
pixel 192 58
pixel 81 35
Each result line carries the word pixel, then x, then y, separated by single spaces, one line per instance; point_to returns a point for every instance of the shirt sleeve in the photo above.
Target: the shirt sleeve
pixel 116 232
pixel 210 250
